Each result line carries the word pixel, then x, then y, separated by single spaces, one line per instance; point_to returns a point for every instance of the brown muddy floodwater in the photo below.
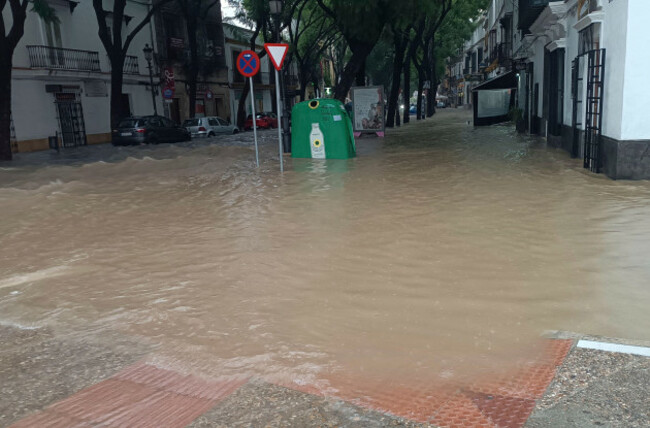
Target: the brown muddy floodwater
pixel 438 250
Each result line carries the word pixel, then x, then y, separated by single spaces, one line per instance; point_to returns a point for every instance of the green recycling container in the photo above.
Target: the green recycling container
pixel 321 129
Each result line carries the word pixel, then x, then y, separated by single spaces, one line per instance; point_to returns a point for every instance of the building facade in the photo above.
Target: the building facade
pixel 173 59
pixel 61 78
pixel 577 68
pixel 586 89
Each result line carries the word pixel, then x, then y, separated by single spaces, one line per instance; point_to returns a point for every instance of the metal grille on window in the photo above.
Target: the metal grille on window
pixel 594 117
pixel 71 120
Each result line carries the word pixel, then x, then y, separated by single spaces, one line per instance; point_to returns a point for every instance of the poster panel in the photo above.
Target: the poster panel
pixel 368 108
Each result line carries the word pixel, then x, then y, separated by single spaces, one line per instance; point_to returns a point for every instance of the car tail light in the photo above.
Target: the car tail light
pixel 140 130
pixel 202 129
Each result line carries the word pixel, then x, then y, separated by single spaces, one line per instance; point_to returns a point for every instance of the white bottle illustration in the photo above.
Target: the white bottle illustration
pixel 317 142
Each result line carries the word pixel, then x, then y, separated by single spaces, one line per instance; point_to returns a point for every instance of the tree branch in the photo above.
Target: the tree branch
pixel 326 9
pixel 145 20
pixel 100 14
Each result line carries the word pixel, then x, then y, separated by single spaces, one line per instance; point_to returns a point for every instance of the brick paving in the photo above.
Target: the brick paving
pixel 144 395
pixel 140 396
pixel 504 400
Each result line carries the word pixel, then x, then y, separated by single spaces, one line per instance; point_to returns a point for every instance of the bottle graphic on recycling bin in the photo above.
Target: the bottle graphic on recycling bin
pixel 317 142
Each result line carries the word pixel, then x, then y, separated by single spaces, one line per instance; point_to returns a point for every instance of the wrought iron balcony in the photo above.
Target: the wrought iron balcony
pixel 53 58
pixel 505 54
pixel 131 65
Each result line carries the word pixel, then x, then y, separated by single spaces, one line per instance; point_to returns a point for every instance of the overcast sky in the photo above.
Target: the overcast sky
pixel 227 11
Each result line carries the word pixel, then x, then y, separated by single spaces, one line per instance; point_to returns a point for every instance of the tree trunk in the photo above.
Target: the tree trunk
pixel 303 89
pixel 395 84
pixel 117 78
pixel 407 86
pixel 431 75
pixel 193 69
pixel 359 55
pixel 421 79
pixel 398 119
pixel 360 79
pixel 420 113
pixel 5 107
pixel 241 106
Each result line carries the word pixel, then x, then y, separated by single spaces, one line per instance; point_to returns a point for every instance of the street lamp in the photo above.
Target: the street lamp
pixel 275 6
pixel 148 56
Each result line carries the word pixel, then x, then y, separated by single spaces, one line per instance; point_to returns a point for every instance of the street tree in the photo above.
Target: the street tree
pixel 10 34
pixel 116 46
pixel 455 23
pixel 195 14
pixel 256 14
pixel 361 23
pixel 311 34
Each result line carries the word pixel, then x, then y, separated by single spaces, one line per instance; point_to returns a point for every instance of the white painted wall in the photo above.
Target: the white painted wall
pixel 570 52
pixel 613 39
pixel 33 109
pixel 636 91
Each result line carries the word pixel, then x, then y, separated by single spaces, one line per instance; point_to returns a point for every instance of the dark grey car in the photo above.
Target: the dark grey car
pixel 148 130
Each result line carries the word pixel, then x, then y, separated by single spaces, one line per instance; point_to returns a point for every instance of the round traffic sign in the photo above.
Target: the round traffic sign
pixel 168 93
pixel 248 63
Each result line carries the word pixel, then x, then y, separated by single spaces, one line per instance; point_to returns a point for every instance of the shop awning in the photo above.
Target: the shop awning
pixel 505 81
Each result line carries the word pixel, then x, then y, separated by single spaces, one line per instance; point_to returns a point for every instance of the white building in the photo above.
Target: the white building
pixel 61 77
pixel 586 85
pixel 573 68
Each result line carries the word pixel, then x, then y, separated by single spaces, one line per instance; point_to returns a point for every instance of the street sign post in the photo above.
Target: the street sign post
pixel 248 64
pixel 278 52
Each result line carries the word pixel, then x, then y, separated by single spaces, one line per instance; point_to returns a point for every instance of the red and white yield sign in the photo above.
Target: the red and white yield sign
pixel 277 52
pixel 248 63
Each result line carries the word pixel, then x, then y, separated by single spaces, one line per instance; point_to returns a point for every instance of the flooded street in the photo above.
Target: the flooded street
pixel 440 250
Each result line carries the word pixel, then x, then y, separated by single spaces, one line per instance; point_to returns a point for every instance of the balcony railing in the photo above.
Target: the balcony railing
pixel 63 59
pixel 131 65
pixel 505 54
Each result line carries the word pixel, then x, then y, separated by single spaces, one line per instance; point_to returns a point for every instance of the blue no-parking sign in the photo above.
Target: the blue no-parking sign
pixel 248 63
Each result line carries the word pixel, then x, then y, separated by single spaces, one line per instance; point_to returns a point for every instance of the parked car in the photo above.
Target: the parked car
pixel 441 104
pixel 413 109
pixel 272 118
pixel 262 120
pixel 148 130
pixel 209 126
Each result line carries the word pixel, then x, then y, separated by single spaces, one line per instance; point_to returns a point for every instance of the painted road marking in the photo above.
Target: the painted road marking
pixel 614 347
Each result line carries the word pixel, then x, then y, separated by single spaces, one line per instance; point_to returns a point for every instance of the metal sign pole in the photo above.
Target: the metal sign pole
pixel 257 156
pixel 277 96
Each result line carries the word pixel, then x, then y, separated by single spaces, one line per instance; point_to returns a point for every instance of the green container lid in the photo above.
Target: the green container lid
pixel 321 129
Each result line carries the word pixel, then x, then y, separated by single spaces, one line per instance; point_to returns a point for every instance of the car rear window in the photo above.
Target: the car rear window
pixel 191 122
pixel 130 123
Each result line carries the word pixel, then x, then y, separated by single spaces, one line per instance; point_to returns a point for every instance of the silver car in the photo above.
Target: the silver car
pixel 209 126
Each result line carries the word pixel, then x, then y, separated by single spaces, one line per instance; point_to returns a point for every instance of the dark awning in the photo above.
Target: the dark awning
pixel 505 81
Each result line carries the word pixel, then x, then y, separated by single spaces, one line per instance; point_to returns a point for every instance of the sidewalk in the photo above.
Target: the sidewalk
pixel 52 381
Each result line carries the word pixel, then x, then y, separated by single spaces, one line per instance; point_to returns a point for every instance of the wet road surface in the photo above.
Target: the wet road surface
pixel 440 252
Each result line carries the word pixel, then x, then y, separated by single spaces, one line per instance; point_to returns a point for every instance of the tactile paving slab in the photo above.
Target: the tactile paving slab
pixel 503 400
pixel 142 395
